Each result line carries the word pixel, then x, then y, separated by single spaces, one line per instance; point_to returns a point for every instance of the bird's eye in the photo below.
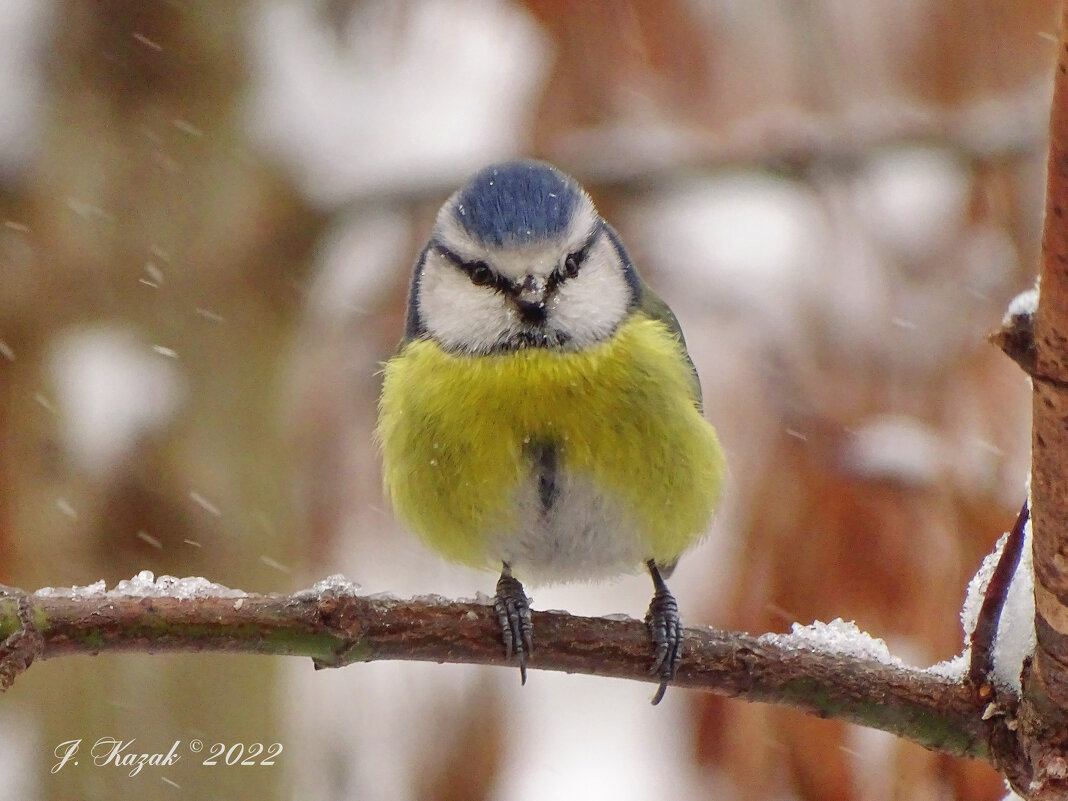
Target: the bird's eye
pixel 480 273
pixel 571 264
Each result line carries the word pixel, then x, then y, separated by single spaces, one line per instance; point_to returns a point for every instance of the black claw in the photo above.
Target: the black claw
pixel 665 630
pixel 513 614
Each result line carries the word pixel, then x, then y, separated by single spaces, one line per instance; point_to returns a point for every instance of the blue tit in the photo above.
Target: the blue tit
pixel 543 415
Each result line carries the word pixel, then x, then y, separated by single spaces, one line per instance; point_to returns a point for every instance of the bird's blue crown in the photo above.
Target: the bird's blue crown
pixel 517 202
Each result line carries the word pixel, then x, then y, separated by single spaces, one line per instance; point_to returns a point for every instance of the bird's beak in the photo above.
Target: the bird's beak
pixel 532 290
pixel 530 298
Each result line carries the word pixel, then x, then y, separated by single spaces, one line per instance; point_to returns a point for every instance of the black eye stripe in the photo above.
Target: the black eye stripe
pixel 480 273
pixel 573 261
pixel 450 255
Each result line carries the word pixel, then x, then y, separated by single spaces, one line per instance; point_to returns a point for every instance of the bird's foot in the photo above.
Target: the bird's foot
pixel 665 630
pixel 513 614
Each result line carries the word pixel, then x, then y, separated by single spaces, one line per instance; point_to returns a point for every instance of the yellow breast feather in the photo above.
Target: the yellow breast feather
pixel 455 432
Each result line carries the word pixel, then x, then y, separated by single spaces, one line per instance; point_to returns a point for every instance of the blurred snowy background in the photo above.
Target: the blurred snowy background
pixel 208 213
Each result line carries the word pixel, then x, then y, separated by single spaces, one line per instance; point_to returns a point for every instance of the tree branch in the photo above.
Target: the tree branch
pixel 792 142
pixel 1038 768
pixel 336 627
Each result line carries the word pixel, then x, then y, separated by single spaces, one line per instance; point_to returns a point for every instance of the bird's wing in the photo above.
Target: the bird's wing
pixel 653 306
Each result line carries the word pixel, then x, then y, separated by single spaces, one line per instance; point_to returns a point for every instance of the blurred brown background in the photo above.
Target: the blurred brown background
pixel 209 212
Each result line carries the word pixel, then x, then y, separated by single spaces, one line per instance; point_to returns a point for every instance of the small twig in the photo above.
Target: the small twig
pixel 22 646
pixel 997 589
pixel 1016 338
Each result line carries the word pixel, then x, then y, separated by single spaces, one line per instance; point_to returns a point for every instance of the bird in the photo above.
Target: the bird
pixel 542 415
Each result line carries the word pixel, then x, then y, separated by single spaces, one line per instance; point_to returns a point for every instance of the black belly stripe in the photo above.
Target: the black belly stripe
pixel 544 455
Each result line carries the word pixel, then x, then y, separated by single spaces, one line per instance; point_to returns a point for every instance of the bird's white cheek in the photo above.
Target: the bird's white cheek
pixel 590 306
pixel 459 314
